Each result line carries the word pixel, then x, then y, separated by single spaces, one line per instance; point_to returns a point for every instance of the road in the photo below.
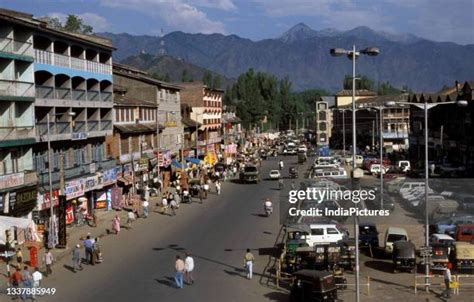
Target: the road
pixel 139 263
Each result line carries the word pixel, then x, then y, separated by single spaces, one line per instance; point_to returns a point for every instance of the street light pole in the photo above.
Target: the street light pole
pixel 51 207
pixel 381 155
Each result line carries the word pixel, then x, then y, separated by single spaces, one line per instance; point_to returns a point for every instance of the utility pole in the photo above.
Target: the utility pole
pixel 373 135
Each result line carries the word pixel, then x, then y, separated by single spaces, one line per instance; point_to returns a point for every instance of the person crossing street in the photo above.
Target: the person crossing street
pixel 248 264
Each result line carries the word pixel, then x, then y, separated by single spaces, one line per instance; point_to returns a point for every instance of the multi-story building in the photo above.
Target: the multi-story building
pixel 166 96
pixel 136 132
pixel 344 97
pixel 395 124
pixel 18 180
pixel 206 106
pixel 450 130
pixel 73 111
pixel 324 120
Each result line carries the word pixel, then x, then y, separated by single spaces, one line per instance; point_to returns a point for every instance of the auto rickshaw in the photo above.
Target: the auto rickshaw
pixel 348 252
pixel 293 172
pixel 440 257
pixel 296 237
pixel 403 256
pixel 462 256
pixel 302 157
pixel 310 285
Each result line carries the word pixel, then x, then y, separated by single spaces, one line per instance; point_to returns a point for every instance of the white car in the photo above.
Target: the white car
pixel 274 174
pixel 302 149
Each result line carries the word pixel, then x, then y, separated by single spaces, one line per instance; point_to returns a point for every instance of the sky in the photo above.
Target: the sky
pixel 438 20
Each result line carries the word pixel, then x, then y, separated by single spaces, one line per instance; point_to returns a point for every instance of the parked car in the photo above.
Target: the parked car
pixel 404 165
pixel 324 233
pixel 392 235
pixel 448 225
pixel 274 175
pixel 441 239
pixel 440 257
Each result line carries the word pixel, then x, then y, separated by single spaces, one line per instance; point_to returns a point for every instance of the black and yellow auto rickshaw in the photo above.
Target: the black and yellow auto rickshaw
pixel 311 285
pixel 302 157
pixel 440 257
pixel 403 256
pixel 348 252
pixel 293 172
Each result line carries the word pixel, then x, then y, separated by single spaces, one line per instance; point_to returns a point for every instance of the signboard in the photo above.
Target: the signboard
pixel 78 136
pixel 101 200
pixel 12 180
pixel 91 183
pixel 171 124
pixel 44 202
pixel 74 188
pixel 142 164
pixel 108 177
pixel 69 214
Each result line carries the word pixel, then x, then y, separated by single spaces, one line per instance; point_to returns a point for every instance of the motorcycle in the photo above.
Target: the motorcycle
pixel 280 184
pixel 268 210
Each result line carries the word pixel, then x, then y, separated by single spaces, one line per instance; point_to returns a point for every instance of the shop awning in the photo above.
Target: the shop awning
pixel 7 222
pixel 176 164
pixel 193 160
pixel 126 180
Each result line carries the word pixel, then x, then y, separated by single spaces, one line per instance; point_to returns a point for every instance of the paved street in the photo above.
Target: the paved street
pixel 139 264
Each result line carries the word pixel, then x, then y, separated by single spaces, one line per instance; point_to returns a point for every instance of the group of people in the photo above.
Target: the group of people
pixel 184 270
pixel 93 254
pixel 26 280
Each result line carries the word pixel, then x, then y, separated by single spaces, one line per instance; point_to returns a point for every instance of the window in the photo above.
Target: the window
pixel 322 115
pixel 322 106
pixel 332 231
pixel 317 232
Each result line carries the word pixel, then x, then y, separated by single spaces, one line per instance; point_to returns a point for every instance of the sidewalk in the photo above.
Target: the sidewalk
pixel 75 235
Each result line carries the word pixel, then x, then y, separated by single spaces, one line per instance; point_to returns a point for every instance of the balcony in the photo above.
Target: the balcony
pixel 46 57
pixel 399 135
pixel 16 88
pixel 47 92
pixel 16 47
pixel 79 126
pixel 106 125
pixel 92 125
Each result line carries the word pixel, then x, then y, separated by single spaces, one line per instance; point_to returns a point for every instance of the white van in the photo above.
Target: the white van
pixel 394 234
pixel 324 234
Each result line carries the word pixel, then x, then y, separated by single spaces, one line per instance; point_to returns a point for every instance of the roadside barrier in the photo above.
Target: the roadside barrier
pixel 432 278
pixel 361 284
pixel 468 283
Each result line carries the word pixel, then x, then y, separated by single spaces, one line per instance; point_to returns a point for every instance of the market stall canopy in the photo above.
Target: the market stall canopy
pixel 7 222
pixel 193 160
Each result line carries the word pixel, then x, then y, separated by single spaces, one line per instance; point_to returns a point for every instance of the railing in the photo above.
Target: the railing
pixel 106 125
pixel 46 57
pixel 105 96
pixel 62 93
pixel 16 88
pixel 16 47
pixel 92 125
pixel 78 95
pixel 44 92
pixel 63 127
pixel 79 126
pixel 92 95
pixel 42 129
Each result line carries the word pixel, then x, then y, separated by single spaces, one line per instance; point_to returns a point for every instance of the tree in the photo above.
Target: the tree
pixel 362 82
pixel 207 78
pixel 385 88
pixel 72 24
pixel 216 82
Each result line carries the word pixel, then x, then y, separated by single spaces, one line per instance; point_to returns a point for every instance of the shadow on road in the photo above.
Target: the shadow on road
pixel 277 296
pixel 382 266
pixel 237 272
pixel 68 267
pixel 168 281
pixel 259 215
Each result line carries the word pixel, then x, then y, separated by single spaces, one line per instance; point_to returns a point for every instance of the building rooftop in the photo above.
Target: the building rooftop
pixel 358 92
pixel 135 73
pixel 129 101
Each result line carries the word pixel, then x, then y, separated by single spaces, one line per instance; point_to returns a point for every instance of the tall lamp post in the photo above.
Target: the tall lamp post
pixel 50 178
pixel 427 106
pixel 353 54
pixel 197 133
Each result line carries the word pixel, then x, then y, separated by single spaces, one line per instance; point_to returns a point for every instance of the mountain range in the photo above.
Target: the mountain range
pixel 302 54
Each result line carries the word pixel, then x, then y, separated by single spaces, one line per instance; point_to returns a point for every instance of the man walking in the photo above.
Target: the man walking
pixel 88 243
pixel 146 204
pixel 37 277
pixel 76 258
pixel 27 281
pixel 48 260
pixel 173 206
pixel 164 205
pixel 179 267
pixel 218 187
pixel 189 268
pixel 447 281
pixel 248 263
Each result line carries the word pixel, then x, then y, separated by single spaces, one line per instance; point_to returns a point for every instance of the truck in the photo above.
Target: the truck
pixel 250 174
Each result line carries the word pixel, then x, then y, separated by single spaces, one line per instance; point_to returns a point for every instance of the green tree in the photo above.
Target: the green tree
pixel 207 78
pixel 185 76
pixel 362 82
pixel 216 82
pixel 385 88
pixel 72 24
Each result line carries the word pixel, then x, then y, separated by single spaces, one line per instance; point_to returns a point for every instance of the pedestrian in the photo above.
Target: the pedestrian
pixel 96 251
pixel 130 218
pixel 173 206
pixel 37 277
pixel 248 263
pixel 218 187
pixel 201 194
pixel 164 206
pixel 206 189
pixel 146 204
pixel 189 268
pixel 88 245
pixel 48 260
pixel 76 258
pixel 116 224
pixel 19 256
pixel 27 282
pixel 179 266
pixel 447 281
pixel 432 168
